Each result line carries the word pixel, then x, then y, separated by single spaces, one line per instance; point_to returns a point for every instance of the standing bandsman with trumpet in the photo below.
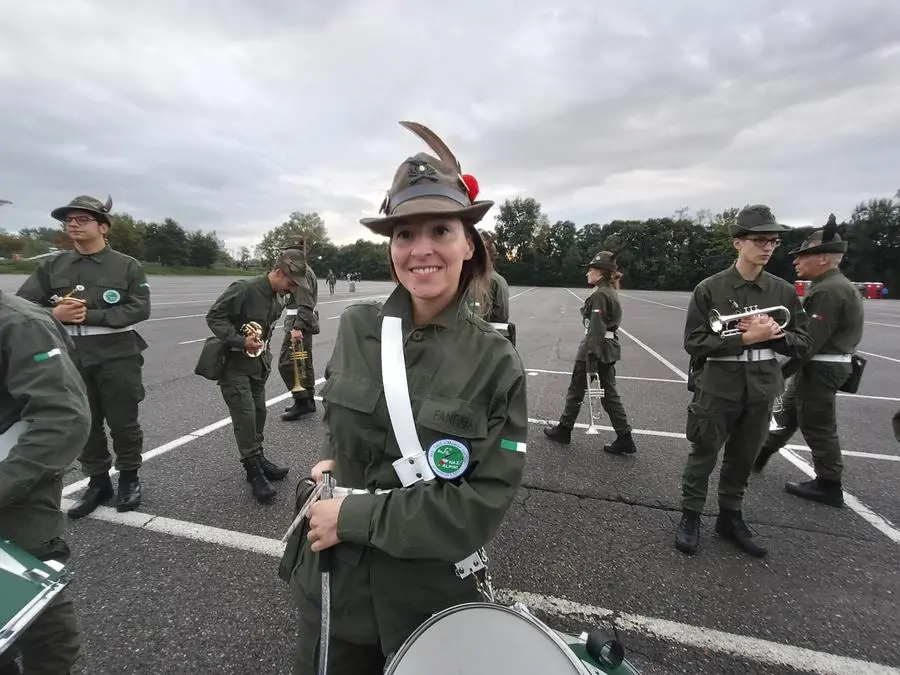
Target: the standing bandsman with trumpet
pixel 301 322
pixel 835 309
pixel 735 377
pixel 242 318
pixel 598 352
pixel 99 295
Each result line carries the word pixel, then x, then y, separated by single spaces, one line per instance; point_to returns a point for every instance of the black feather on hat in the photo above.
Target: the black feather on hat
pixel 826 240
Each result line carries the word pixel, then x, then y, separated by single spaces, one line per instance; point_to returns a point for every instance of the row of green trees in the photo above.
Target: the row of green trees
pixel 669 253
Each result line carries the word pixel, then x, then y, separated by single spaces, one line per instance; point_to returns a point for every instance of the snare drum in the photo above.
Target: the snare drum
pixel 482 638
pixel 27 587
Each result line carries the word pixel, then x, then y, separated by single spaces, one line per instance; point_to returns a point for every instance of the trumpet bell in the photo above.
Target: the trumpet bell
pixel 594 395
pixel 253 329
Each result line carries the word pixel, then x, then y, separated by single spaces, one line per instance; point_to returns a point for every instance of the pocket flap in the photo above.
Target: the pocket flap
pixel 356 393
pixel 453 416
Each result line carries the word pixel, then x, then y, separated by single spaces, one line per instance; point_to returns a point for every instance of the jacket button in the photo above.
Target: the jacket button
pixel 417 335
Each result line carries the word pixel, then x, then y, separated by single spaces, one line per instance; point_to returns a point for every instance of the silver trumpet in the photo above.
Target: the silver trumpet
pixel 595 394
pixel 726 325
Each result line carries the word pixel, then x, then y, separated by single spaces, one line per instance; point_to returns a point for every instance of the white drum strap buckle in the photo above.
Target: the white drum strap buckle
pixel 413 466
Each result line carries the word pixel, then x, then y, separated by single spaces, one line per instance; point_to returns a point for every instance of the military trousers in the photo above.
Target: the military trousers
pixel 611 402
pixel 344 658
pixel 51 645
pixel 305 366
pixel 245 396
pixel 809 404
pixel 115 390
pixel 714 422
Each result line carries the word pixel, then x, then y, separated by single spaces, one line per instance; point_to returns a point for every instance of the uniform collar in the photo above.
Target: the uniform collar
pixel 825 275
pixel 97 257
pixel 737 280
pixel 399 303
pixel 265 286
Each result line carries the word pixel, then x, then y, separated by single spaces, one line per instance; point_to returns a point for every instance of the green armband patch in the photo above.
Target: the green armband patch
pixel 512 446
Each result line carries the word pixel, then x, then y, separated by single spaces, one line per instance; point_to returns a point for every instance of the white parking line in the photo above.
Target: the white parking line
pixel 327 302
pixel 880 523
pixel 879 356
pixel 698 637
pixel 659 357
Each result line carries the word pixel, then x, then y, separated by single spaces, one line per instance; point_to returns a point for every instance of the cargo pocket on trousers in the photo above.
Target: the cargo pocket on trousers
pixel 697 424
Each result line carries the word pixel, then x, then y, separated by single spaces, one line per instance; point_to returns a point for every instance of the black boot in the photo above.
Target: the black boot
pixel 559 434
pixel 99 491
pixel 262 489
pixel 765 454
pixel 303 405
pixel 129 497
pixel 623 445
pixel 271 470
pixel 819 490
pixel 687 536
pixel 730 525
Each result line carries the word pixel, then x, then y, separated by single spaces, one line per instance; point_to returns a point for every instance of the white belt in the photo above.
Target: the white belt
pixel 748 355
pixel 609 335
pixel 500 326
pixel 833 358
pixel 291 312
pixel 80 330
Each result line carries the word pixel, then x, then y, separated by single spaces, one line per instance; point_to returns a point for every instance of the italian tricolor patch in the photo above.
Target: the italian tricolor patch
pixel 47 355
pixel 512 446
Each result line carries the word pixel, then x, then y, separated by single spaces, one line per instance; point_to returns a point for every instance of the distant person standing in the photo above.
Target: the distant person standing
pixel 836 325
pixel 331 280
pixel 100 295
pixel 45 419
pixel 301 322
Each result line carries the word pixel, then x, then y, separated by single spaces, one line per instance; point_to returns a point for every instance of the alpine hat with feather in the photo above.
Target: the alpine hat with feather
pixel 425 185
pixel 86 203
pixel 826 240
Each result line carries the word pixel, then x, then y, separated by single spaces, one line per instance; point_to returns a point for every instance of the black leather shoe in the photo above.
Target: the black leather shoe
pixel 730 525
pixel 827 492
pixel 623 445
pixel 271 470
pixel 129 497
pixel 262 489
pixel 301 407
pixel 559 434
pixel 99 491
pixel 687 536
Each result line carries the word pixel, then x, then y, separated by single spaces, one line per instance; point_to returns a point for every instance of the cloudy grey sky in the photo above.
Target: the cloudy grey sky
pixel 229 114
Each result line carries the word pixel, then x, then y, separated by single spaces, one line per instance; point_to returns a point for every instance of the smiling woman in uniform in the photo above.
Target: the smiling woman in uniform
pixel 445 399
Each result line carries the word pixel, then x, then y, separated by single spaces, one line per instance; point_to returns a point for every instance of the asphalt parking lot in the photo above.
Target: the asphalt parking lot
pixel 188 583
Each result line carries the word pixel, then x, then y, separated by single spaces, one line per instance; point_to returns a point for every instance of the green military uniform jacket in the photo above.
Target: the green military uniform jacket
pixel 243 301
pixel 395 565
pixel 117 294
pixel 601 315
pixel 836 314
pixel 301 306
pixel 497 310
pixel 40 386
pixel 729 293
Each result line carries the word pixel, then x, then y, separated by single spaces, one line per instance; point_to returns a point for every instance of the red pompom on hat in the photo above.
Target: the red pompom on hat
pixel 471 186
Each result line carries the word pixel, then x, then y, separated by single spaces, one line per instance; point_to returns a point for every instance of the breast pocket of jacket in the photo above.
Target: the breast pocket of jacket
pixel 63 284
pixel 450 430
pixel 353 423
pixel 106 295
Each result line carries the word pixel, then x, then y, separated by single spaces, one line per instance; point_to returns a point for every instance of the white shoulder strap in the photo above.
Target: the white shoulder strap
pixel 413 467
pixel 10 437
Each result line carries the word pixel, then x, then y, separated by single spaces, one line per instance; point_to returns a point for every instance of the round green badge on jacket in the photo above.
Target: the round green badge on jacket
pixel 111 296
pixel 448 458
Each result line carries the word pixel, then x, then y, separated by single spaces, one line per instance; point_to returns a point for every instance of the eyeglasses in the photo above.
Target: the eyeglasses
pixel 81 220
pixel 761 242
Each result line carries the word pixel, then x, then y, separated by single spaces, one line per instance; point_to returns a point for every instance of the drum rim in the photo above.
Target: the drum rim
pixel 514 610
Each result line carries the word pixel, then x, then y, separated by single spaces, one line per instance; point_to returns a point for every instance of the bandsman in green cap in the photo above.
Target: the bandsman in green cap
pixel 735 376
pixel 835 311
pixel 426 404
pixel 493 306
pixel 45 419
pixel 243 318
pixel 100 295
pixel 598 352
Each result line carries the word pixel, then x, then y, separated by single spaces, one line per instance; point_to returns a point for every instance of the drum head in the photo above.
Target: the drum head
pixel 484 638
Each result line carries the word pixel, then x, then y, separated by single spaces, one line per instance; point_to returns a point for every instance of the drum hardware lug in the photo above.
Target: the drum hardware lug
pixel 477 565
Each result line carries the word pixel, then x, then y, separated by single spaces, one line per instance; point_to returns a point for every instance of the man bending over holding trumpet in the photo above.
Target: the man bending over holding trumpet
pixel 732 340
pixel 242 318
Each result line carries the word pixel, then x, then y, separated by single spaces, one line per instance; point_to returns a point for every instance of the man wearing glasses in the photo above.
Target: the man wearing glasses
pixel 99 295
pixel 836 317
pixel 735 376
